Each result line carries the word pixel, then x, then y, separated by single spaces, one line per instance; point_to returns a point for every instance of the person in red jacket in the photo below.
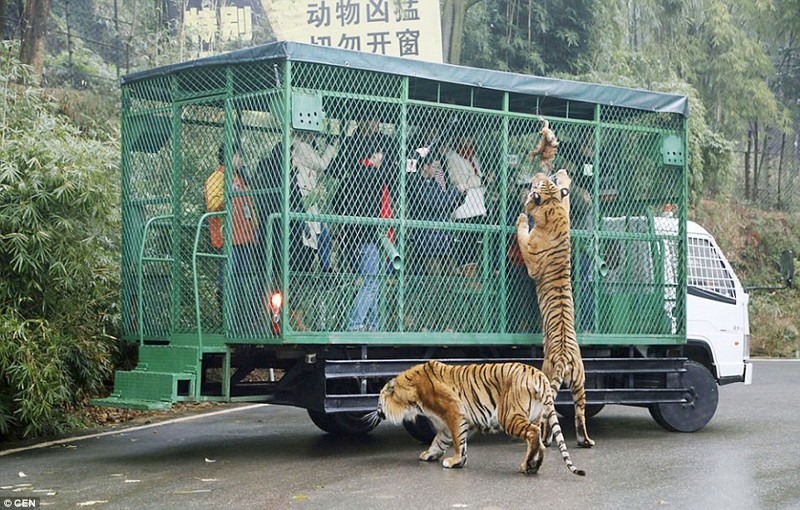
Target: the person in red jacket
pixel 243 238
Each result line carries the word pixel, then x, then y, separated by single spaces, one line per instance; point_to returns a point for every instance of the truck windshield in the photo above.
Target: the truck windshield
pixel 707 271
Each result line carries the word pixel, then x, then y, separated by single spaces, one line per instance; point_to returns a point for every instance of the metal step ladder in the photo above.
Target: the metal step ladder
pixel 165 374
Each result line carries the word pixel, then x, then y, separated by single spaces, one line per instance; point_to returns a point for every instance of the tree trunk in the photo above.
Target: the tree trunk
pixel 780 169
pixel 32 49
pixel 2 19
pixel 763 165
pixel 129 42
pixel 452 30
pixel 747 165
pixel 453 13
pixel 755 161
pixel 69 42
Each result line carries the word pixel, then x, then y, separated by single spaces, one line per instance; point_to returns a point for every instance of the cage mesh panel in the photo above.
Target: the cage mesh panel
pixel 252 269
pixel 452 262
pixel 248 80
pixel 201 82
pixel 149 95
pixel 345 80
pixel 201 136
pixel 147 193
pixel 359 197
pixel 342 173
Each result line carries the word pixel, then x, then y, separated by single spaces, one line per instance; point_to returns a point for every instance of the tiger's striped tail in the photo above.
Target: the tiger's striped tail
pixel 555 429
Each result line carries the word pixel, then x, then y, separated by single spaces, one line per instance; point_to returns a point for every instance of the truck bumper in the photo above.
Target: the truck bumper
pixel 748 372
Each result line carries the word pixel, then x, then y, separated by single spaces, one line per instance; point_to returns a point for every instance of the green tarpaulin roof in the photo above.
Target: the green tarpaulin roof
pixel 447 73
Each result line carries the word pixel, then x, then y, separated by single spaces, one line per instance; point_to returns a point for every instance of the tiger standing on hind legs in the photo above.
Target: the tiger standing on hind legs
pixel 546 251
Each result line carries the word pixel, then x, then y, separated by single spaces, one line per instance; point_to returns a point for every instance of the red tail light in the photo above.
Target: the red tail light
pixel 276 302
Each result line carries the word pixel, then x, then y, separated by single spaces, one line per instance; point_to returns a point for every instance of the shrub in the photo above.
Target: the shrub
pixel 58 258
pixel 753 241
pixel 774 324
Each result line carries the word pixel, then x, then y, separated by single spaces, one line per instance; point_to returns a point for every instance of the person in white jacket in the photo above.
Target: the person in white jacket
pixel 310 166
pixel 464 172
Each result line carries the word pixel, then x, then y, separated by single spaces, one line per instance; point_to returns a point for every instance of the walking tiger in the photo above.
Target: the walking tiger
pixel 488 397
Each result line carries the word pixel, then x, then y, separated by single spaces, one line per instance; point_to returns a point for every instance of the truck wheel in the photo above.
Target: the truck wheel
pixel 420 429
pixel 702 398
pixel 568 410
pixel 343 424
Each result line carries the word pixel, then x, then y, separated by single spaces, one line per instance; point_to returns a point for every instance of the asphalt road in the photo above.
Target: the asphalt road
pixel 269 457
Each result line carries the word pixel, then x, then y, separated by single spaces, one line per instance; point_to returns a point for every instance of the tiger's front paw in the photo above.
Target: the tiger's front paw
pixel 529 469
pixel 454 462
pixel 562 179
pixel 533 462
pixel 522 219
pixel 429 455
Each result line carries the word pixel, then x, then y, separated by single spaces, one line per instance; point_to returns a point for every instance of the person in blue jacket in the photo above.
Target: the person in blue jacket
pixel 432 198
pixel 365 191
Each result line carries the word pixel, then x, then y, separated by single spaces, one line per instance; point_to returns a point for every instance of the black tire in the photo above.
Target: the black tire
pixel 702 398
pixel 343 424
pixel 420 429
pixel 568 410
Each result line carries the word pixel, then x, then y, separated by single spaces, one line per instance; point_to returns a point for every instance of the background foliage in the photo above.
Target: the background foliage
pixel 58 256
pixel 738 60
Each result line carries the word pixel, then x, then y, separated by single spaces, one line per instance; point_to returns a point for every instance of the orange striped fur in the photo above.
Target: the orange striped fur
pixel 458 399
pixel 546 251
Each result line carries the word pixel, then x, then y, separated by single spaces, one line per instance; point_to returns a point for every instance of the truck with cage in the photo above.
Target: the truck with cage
pixel 301 223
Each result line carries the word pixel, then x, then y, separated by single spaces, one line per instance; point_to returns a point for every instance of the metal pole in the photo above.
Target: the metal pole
pixel 116 44
pixel 69 39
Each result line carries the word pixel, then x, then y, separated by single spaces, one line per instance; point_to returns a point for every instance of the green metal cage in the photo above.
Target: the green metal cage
pixel 330 235
pixel 288 200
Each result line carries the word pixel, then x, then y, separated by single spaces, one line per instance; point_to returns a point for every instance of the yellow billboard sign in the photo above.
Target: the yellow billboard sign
pixel 402 28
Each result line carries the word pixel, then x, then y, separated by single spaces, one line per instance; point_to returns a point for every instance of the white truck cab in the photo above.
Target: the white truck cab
pixel 717 325
pixel 717 320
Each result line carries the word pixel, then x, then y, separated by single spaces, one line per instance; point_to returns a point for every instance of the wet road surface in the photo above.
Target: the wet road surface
pixel 267 457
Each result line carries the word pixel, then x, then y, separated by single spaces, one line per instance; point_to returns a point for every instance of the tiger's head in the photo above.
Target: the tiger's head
pixel 398 401
pixel 401 398
pixel 547 194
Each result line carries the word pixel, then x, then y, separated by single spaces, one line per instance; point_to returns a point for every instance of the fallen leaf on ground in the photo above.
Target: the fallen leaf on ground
pixel 22 475
pixel 210 460
pixel 93 502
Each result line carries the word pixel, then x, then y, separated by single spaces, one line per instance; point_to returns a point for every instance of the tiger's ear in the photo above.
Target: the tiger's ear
pixel 537 199
pixel 564 192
